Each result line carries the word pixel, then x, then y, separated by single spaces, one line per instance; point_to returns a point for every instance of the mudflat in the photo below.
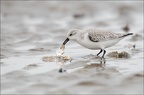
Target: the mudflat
pixel 32 31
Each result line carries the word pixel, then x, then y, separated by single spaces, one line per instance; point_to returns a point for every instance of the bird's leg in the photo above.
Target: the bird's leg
pixel 103 53
pixel 99 52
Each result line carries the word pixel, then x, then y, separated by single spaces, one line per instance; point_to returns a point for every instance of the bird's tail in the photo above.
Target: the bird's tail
pixel 127 34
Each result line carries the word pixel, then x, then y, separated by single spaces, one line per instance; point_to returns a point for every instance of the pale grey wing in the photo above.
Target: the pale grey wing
pixel 97 36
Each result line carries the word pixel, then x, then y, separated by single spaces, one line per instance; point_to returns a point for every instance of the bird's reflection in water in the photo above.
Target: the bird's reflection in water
pixel 98 64
pixel 102 61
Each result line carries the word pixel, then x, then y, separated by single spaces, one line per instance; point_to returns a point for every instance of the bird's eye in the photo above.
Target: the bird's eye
pixel 70 35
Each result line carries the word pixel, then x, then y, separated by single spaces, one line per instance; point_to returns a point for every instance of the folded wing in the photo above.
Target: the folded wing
pixel 99 35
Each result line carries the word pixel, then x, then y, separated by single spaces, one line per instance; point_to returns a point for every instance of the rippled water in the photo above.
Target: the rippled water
pixel 31 30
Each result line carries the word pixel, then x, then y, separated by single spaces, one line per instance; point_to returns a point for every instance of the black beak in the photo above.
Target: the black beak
pixel 65 41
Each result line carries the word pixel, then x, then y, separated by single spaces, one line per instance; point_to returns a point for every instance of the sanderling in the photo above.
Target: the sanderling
pixel 95 39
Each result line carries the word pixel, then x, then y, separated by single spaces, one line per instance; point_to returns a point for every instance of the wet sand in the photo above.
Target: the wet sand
pixel 31 30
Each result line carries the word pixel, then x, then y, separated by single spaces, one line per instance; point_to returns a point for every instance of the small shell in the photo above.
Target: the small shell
pixel 59 56
pixel 60 51
pixel 62 47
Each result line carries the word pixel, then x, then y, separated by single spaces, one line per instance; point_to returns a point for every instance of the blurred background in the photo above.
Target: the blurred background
pixel 44 24
pixel 33 28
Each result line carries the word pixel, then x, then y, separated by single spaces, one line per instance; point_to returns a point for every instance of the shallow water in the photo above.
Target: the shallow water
pixel 31 30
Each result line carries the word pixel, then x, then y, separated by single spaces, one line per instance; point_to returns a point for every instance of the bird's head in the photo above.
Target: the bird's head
pixel 71 35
